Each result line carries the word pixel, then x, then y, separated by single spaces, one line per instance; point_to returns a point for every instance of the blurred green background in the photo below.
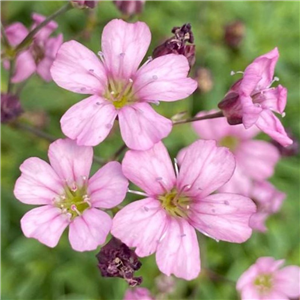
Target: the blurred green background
pixel 30 270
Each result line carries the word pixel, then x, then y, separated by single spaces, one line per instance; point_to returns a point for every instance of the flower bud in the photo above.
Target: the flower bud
pixel 130 8
pixel 177 44
pixel 117 260
pixel 10 108
pixel 204 79
pixel 84 4
pixel 234 34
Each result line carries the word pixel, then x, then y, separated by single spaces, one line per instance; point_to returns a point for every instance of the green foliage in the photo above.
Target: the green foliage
pixel 30 270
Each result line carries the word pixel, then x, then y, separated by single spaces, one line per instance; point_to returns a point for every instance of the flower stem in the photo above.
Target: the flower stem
pixel 118 152
pixel 32 33
pixel 218 114
pixel 10 75
pixel 4 37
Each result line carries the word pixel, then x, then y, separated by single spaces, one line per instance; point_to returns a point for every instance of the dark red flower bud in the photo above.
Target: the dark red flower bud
pixel 130 8
pixel 117 260
pixel 234 34
pixel 177 44
pixel 84 4
pixel 10 107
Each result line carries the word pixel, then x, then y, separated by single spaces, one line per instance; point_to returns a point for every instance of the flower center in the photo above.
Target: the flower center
pixel 176 204
pixel 230 142
pixel 120 93
pixel 263 283
pixel 74 201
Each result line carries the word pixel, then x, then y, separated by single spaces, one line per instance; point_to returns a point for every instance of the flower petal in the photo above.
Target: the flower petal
pixel 257 159
pixel 89 121
pixel 90 230
pixel 204 168
pixel 25 67
pixel 223 217
pixel 45 223
pixel 71 162
pixel 142 127
pixel 38 183
pixel 178 251
pixel 150 170
pixel 140 224
pixel 124 45
pixel 78 69
pixel 16 33
pixel 108 186
pixel 45 32
pixel 164 79
pixel 269 124
pixel 287 281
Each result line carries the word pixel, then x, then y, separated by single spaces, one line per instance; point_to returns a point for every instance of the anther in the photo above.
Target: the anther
pixel 162 183
pixel 74 208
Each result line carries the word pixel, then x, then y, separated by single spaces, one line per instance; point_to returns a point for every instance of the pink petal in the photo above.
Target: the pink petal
pixel 38 183
pixel 90 230
pixel 287 281
pixel 250 292
pixel 89 122
pixel 257 159
pixel 178 251
pixel 150 170
pixel 247 278
pixel 251 112
pixel 269 124
pixel 45 223
pixel 124 45
pixel 71 162
pixel 16 33
pixel 44 33
pixel 204 168
pixel 259 74
pixel 108 186
pixel 164 79
pixel 52 46
pixel 78 69
pixel 25 67
pixel 268 265
pixel 137 293
pixel 141 127
pixel 140 224
pixel 223 217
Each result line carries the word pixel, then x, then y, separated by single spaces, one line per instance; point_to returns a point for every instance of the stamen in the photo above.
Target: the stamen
pixel 176 167
pixel 283 114
pixel 101 55
pixel 92 72
pixel 162 184
pixel 74 208
pixel 237 72
pixel 137 193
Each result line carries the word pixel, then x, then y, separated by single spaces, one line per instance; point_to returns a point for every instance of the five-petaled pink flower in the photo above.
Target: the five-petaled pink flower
pixel 41 53
pixel 118 89
pixel 179 202
pixel 268 201
pixel 68 196
pixel 255 159
pixel 252 100
pixel 264 281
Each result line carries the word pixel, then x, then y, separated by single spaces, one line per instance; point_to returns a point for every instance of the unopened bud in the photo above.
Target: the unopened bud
pixel 84 4
pixel 204 79
pixel 130 8
pixel 177 44
pixel 234 34
pixel 10 107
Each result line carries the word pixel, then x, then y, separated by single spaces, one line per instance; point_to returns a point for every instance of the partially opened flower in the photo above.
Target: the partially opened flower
pixel 268 201
pixel 40 54
pixel 68 196
pixel 265 281
pixel 118 88
pixel 177 203
pixel 252 100
pixel 255 159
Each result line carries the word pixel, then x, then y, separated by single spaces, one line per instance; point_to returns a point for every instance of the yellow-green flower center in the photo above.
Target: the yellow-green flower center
pixel 120 93
pixel 176 204
pixel 74 201
pixel 230 142
pixel 263 283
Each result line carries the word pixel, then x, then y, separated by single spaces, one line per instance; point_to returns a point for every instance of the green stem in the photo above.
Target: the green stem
pixel 32 33
pixel 10 75
pixel 4 37
pixel 118 152
pixel 218 114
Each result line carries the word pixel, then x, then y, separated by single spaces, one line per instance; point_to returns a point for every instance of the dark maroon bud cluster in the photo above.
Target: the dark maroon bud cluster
pixel 10 107
pixel 177 44
pixel 116 259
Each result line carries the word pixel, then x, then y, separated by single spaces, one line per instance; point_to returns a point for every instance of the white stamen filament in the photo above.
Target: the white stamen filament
pixel 137 193
pixel 74 208
pixel 176 167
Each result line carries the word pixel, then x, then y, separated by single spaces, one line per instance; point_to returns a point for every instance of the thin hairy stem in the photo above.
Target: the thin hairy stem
pixel 118 152
pixel 218 114
pixel 4 37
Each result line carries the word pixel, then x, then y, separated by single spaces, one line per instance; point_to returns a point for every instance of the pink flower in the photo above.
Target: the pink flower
pixel 68 197
pixel 40 55
pixel 255 159
pixel 264 281
pixel 177 203
pixel 251 99
pixel 268 201
pixel 118 88
pixel 138 294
